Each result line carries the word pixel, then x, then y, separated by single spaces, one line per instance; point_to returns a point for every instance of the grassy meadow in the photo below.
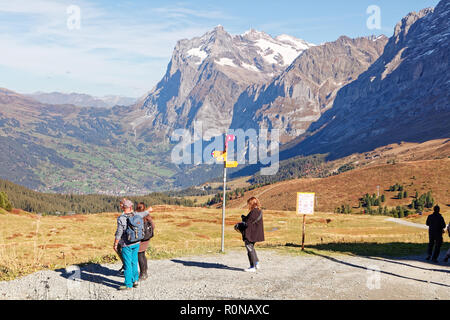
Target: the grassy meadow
pixel 29 242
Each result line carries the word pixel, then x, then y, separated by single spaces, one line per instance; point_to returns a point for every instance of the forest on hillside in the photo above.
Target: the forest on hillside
pixel 16 196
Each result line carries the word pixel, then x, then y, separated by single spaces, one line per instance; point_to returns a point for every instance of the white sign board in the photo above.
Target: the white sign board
pixel 305 202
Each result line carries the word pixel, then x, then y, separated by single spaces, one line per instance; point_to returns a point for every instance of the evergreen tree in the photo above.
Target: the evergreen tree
pixel 376 202
pixel 401 213
pixel 2 200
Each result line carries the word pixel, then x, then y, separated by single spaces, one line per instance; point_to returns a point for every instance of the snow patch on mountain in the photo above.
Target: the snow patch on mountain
pixel 250 67
pixel 199 53
pixel 275 53
pixel 226 62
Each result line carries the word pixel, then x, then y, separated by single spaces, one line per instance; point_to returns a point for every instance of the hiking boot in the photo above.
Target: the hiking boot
pixel 143 277
pixel 121 271
pixel 124 288
pixel 136 284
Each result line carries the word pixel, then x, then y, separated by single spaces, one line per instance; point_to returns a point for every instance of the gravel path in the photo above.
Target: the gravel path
pixel 408 223
pixel 220 276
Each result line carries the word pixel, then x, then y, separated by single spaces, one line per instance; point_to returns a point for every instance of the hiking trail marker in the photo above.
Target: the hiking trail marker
pixel 305 206
pixel 221 157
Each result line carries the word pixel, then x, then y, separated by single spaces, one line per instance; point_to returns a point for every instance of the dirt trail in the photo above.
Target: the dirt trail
pixel 408 223
pixel 220 276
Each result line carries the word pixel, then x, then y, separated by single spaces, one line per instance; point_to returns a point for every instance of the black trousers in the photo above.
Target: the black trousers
pixel 436 243
pixel 252 257
pixel 142 259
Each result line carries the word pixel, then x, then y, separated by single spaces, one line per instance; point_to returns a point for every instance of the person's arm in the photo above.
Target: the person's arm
pixel 443 224
pixel 252 216
pixel 119 233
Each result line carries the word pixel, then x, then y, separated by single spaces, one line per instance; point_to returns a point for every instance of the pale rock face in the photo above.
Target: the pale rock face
pixel 206 76
pixel 307 88
pixel 403 96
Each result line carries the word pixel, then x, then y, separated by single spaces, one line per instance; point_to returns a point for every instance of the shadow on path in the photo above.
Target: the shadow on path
pixel 390 250
pixel 205 265
pixel 384 272
pixel 94 273
pixel 407 264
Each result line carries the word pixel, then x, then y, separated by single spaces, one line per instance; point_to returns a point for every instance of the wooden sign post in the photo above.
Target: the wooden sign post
pixel 305 206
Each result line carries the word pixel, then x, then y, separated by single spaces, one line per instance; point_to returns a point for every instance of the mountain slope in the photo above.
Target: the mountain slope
pixel 81 100
pixel 308 87
pixel 207 74
pixel 348 187
pixel 64 148
pixel 403 96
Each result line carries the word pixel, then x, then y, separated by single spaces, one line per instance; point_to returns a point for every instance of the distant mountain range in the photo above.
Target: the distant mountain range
pixel 81 100
pixel 403 96
pixel 206 76
pixel 341 97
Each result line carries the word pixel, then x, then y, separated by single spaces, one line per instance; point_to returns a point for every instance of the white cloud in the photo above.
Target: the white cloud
pixel 111 47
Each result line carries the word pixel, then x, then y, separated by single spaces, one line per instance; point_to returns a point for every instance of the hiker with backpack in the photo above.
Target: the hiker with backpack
pixel 149 227
pixel 253 231
pixel 129 233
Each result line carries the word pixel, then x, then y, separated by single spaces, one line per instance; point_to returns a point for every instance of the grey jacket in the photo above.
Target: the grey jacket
pixel 122 225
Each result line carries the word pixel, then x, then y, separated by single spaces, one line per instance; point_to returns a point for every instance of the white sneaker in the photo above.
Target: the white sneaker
pixel 250 269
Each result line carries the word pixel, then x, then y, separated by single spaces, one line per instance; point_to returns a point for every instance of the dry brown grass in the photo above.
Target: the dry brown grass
pixel 348 187
pixel 29 243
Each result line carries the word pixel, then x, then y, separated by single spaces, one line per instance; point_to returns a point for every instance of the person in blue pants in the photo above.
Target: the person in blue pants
pixel 130 258
pixel 129 250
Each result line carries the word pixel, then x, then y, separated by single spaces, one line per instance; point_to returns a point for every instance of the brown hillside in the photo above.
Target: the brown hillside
pixel 348 187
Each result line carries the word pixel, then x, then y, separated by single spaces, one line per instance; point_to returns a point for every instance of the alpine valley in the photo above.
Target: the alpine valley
pixel 337 98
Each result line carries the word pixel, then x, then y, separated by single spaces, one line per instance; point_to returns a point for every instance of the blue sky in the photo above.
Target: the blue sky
pixel 123 47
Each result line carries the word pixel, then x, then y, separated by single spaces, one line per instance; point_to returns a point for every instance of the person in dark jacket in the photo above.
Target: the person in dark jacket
pixel 254 232
pixel 436 226
pixel 142 259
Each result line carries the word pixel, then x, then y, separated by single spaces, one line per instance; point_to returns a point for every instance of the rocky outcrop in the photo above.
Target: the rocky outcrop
pixel 308 87
pixel 403 96
pixel 206 76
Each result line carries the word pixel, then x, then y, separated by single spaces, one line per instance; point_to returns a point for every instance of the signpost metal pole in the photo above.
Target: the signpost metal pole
pixel 223 206
pixel 222 156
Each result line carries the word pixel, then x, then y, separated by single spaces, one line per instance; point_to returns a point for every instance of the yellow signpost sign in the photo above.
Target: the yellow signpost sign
pixel 231 164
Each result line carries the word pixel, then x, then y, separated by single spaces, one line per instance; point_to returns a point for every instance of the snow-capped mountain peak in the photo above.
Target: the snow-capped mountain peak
pixel 208 73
